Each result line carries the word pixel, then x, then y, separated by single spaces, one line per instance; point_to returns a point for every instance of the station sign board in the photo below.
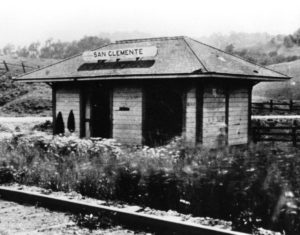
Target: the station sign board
pixel 123 53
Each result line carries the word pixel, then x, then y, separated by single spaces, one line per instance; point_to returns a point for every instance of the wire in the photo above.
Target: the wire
pixel 20 65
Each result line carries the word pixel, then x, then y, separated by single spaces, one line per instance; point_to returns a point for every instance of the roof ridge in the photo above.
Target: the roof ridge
pixel 189 46
pixel 60 61
pixel 241 58
pixel 148 39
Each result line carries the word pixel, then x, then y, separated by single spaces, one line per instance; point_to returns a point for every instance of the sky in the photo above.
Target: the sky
pixel 22 22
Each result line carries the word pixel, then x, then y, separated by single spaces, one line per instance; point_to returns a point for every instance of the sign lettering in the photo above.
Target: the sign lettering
pixel 126 53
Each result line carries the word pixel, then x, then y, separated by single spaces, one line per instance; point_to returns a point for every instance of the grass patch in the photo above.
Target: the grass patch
pixel 29 106
pixel 24 98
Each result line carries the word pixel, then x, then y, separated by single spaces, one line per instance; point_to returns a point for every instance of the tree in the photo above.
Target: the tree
pixel 61 50
pixel 22 52
pixel 242 52
pixel 55 50
pixel 71 49
pixel 91 42
pixel 229 48
pixel 288 41
pixel 8 49
pixel 273 53
pixel 33 49
pixel 297 37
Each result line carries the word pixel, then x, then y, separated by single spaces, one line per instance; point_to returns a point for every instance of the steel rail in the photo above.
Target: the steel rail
pixel 123 215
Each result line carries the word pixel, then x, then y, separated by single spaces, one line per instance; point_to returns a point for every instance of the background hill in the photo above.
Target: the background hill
pixel 260 48
pixel 281 90
pixel 278 52
pixel 18 99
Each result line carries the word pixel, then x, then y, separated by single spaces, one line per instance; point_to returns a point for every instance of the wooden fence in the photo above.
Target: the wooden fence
pixel 279 133
pixel 7 67
pixel 287 106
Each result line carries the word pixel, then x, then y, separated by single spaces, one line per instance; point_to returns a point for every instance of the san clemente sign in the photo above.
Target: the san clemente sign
pixel 126 53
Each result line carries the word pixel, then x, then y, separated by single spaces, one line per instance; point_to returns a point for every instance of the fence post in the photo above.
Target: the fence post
pixel 271 105
pixel 294 133
pixel 5 65
pixel 254 134
pixel 23 66
pixel 291 105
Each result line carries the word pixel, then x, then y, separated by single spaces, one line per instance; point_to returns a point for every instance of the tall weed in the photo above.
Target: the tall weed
pixel 254 186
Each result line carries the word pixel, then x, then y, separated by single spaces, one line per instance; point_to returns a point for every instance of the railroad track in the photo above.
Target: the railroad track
pixel 122 215
pixel 25 219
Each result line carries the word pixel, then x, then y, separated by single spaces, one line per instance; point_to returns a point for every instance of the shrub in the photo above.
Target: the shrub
pixel 253 187
pixel 71 122
pixel 6 175
pixel 127 186
pixel 163 190
pixel 45 126
pixel 59 124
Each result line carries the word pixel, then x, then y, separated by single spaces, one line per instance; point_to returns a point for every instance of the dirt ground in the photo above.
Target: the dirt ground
pixel 30 220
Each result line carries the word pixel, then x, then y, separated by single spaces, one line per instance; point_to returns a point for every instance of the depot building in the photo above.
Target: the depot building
pixel 148 91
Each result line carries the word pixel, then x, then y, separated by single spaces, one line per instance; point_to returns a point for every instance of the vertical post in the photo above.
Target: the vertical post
pixel 54 108
pixel 294 133
pixel 255 134
pixel 227 96
pixel 23 66
pixel 271 106
pixel 250 135
pixel 291 105
pixel 5 65
pixel 199 112
pixel 256 130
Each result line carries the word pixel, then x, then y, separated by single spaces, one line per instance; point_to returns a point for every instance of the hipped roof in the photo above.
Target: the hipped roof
pixel 177 57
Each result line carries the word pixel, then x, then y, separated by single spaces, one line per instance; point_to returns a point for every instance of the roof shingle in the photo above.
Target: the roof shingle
pixel 176 56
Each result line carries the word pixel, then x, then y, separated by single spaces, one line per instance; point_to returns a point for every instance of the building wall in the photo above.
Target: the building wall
pixel 238 116
pixel 67 99
pixel 190 118
pixel 127 114
pixel 214 103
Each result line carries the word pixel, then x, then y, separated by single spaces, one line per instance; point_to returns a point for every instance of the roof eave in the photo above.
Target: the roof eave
pixel 156 76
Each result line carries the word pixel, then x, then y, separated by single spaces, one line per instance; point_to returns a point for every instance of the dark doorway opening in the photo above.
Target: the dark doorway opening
pixel 163 118
pixel 101 112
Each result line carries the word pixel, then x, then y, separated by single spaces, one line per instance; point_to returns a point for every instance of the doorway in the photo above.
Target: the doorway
pixel 163 114
pixel 101 112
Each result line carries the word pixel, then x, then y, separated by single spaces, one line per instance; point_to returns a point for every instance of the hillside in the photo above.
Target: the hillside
pixel 281 90
pixel 238 39
pixel 19 99
pixel 261 48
